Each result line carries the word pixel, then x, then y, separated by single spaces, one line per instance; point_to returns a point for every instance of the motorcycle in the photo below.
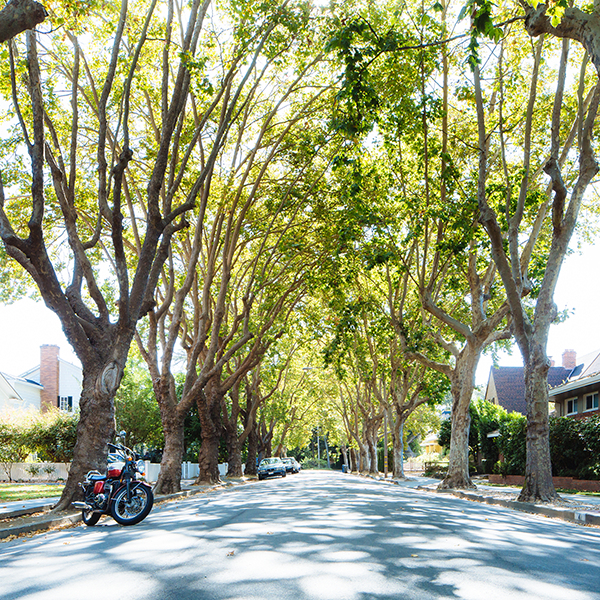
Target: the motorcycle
pixel 120 492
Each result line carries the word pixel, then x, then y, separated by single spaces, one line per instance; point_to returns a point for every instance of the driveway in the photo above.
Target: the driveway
pixel 315 535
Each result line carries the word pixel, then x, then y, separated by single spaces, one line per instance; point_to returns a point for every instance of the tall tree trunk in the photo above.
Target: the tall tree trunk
pixel 353 460
pixel 234 454
pixel 209 404
pixel 462 385
pixel 96 426
pixel 363 465
pixel 344 451
pixel 538 484
pixel 252 449
pixel 372 444
pixel 169 478
pixel 398 446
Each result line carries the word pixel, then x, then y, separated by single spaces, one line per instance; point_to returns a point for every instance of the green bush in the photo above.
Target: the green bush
pixel 512 444
pixel 52 435
pixel 570 455
pixel 13 446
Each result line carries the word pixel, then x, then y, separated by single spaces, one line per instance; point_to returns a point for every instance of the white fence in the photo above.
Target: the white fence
pixel 35 471
pixel 57 471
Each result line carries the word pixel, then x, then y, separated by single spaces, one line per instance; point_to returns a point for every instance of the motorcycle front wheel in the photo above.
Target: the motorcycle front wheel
pixel 130 512
pixel 90 517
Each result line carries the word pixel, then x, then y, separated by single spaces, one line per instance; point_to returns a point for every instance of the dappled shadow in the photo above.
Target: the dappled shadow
pixel 312 536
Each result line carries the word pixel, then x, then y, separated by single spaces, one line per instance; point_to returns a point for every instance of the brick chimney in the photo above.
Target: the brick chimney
pixel 49 376
pixel 569 359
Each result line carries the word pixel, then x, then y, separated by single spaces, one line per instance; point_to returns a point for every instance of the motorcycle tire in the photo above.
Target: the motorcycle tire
pixel 134 511
pixel 89 517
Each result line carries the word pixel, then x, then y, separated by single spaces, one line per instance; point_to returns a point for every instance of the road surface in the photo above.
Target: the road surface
pixel 316 535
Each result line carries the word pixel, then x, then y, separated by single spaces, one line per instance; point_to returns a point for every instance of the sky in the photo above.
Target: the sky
pixel 26 325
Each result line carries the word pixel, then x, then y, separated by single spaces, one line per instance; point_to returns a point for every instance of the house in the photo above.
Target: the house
pixel 577 396
pixel 506 385
pixel 54 382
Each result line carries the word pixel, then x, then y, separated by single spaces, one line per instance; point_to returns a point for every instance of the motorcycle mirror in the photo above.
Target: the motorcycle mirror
pixel 122 434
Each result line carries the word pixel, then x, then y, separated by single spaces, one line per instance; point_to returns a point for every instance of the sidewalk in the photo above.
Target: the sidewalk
pixel 574 508
pixel 20 518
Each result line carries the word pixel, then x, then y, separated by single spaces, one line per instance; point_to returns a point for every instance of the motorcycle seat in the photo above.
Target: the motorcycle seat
pixel 95 476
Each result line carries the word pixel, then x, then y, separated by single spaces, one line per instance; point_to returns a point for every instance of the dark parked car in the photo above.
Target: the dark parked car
pixel 291 465
pixel 271 467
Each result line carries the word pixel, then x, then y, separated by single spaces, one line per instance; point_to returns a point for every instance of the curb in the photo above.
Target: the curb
pixel 564 514
pixel 570 515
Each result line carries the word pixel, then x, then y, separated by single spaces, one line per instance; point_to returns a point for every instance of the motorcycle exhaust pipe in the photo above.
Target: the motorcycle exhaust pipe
pixel 82 505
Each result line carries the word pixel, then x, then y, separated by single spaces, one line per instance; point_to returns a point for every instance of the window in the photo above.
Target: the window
pixel 591 401
pixel 572 406
pixel 65 403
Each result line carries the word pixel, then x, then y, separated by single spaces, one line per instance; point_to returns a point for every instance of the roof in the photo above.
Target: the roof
pixel 510 385
pixel 587 372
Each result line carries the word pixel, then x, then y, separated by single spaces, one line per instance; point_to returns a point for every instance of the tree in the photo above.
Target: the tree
pixel 92 198
pixel 556 213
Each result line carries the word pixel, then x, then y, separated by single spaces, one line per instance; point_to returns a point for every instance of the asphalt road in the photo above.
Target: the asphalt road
pixel 325 536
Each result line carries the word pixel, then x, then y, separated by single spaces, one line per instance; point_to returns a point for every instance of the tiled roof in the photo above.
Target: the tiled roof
pixel 510 385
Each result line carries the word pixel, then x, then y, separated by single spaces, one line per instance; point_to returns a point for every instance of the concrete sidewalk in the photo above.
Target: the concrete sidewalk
pixel 576 508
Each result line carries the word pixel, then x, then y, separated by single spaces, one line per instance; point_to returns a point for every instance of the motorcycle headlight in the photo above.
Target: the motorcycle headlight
pixel 141 466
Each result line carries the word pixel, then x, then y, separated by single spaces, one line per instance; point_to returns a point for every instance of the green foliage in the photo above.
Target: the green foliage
pixel 569 452
pixel 13 446
pixel 136 409
pixel 53 435
pixel 511 444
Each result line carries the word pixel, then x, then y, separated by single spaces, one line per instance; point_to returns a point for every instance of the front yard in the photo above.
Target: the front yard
pixel 14 492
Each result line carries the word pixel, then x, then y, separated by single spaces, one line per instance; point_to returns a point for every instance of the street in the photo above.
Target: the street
pixel 316 535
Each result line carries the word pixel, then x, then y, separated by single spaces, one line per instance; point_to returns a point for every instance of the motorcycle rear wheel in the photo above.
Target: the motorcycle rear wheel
pixel 135 510
pixel 90 517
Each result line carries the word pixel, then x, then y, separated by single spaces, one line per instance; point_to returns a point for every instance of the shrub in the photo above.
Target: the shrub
pixel 512 444
pixel 570 455
pixel 53 435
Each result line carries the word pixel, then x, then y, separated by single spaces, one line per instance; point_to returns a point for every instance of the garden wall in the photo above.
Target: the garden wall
pixel 566 483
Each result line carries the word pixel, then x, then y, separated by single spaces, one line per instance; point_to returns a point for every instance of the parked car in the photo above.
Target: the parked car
pixel 271 467
pixel 291 464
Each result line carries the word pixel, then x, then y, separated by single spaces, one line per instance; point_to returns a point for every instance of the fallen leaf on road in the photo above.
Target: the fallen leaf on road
pixel 231 553
pixel 415 555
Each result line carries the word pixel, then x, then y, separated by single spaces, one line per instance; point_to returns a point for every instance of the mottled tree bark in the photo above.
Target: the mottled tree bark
pixel 18 16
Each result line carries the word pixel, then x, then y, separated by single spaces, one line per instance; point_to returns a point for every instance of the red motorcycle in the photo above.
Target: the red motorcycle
pixel 120 492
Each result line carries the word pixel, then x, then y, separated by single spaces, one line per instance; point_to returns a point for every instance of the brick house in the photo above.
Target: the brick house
pixel 54 382
pixel 506 385
pixel 577 396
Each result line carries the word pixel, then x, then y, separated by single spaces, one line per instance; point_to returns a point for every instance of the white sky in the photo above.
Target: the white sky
pixel 26 325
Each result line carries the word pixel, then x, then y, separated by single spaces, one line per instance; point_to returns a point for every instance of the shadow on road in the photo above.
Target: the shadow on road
pixel 312 536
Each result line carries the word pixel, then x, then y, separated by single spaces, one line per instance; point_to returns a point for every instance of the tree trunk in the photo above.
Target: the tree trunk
pixel 372 444
pixel 252 449
pixel 234 455
pixel 363 466
pixel 209 404
pixel 538 485
pixel 344 451
pixel 353 460
pixel 398 447
pixel 169 479
pixel 462 384
pixel 96 426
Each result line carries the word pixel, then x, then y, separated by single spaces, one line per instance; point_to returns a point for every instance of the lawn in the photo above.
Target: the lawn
pixel 15 492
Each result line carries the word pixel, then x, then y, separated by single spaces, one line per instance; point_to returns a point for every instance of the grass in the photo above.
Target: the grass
pixel 15 492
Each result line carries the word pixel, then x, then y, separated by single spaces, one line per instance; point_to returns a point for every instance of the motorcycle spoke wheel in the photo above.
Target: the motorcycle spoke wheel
pixel 130 512
pixel 90 517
